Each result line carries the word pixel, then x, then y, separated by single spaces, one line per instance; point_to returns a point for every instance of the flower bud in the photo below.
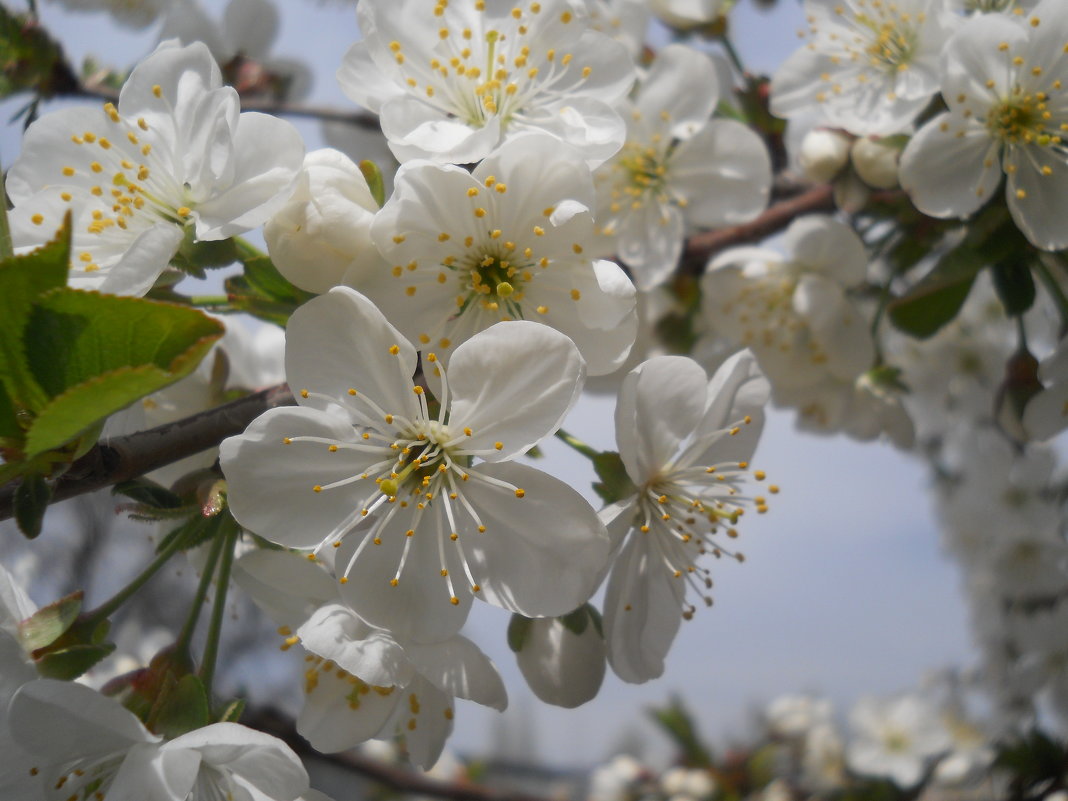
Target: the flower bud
pixel 561 666
pixel 325 224
pixel 824 152
pixel 876 162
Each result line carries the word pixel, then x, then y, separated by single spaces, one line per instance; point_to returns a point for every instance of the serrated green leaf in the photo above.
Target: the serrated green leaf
pixel 95 354
pixel 1015 286
pixel 49 623
pixel 184 709
pixel 615 484
pixel 373 176
pixel 23 279
pixel 518 632
pixel 74 336
pixel 70 663
pixel 31 501
pixel 148 493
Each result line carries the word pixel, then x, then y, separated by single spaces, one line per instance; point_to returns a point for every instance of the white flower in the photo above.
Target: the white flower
pixel 793 311
pixel 1047 412
pixel 895 738
pixel 16 669
pixel 626 21
pixel 509 241
pixel 325 225
pixel 685 442
pixel 78 742
pixel 823 153
pixel 678 169
pixel 876 161
pixel 796 715
pixel 360 682
pixel 361 462
pixel 563 667
pixel 454 84
pixel 869 67
pixel 1003 82
pixel 685 14
pixel 175 158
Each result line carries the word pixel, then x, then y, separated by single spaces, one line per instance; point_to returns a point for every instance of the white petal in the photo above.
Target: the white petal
pixel 737 390
pixel 286 586
pixel 513 383
pixel 458 667
pixel 418 130
pixel 425 722
pixel 335 633
pixel 1036 200
pixel 561 667
pixel 660 403
pixel 148 773
pixel 263 761
pixel 59 721
pixel 271 484
pixel 828 247
pixel 540 555
pixel 341 341
pixel 682 82
pixel 642 612
pixel 336 716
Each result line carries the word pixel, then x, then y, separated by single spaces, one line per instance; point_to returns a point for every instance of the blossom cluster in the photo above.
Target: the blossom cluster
pixel 556 223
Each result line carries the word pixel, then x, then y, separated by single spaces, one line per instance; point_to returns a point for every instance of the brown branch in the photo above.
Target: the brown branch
pixel 395 777
pixel 123 458
pixel 701 247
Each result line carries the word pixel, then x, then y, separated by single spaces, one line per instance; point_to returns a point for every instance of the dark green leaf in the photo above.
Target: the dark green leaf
pixel 675 719
pixel 1015 286
pixel 31 501
pixel 30 61
pixel 938 296
pixel 184 709
pixel 49 623
pixel 518 631
pixel 70 663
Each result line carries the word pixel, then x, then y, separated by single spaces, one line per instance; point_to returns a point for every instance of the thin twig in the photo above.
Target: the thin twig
pixel 397 778
pixel 123 458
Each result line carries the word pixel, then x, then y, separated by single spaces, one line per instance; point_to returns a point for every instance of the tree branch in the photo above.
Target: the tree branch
pixel 360 119
pixel 122 458
pixel 395 777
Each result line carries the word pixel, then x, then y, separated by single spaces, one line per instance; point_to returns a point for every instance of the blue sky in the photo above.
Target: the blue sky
pixel 844 591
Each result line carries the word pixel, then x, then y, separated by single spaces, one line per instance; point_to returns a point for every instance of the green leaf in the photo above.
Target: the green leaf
pixel 518 632
pixel 96 354
pixel 264 292
pixel 9 424
pixel 148 493
pixel 373 176
pixel 677 722
pixel 184 709
pixel 1015 286
pixel 195 257
pixel 23 279
pixel 31 501
pixel 49 623
pixel 937 297
pixel 615 484
pixel 30 61
pixel 70 663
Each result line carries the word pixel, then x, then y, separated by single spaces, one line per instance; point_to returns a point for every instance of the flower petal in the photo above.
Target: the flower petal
pixel 286 586
pixel 458 667
pixel 335 633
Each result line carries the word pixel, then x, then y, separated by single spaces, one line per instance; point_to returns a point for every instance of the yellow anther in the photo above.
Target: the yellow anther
pixel 393 582
pixel 575 294
pixel 498 445
pixel 317 488
pixel 480 212
pixel 157 90
pixel 394 349
pixel 519 493
pixel 304 393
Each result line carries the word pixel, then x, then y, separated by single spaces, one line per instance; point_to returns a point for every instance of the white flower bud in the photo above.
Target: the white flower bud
pixel 325 224
pixel 850 193
pixel 561 667
pixel 876 162
pixel 824 152
pixel 687 783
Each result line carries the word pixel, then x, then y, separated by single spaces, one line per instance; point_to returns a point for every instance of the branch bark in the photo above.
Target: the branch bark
pixel 123 458
pixel 397 778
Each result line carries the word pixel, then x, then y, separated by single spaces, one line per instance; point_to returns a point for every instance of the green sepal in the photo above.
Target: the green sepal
pixel 1015 286
pixel 615 484
pixel 518 632
pixel 577 621
pixel 73 661
pixel 373 176
pixel 148 493
pixel 183 708
pixel 49 623
pixel 264 292
pixel 194 257
pixel 30 503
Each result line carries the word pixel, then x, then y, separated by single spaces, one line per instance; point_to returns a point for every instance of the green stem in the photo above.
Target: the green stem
pixel 181 646
pixel 7 250
pixel 218 609
pixel 577 444
pixel 209 300
pixel 123 595
pixel 732 54
pixel 246 251
pixel 1044 267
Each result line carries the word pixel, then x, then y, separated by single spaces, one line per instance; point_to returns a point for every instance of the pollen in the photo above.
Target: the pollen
pixel 394 349
pixel 498 445
pixel 575 294
pixel 519 493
